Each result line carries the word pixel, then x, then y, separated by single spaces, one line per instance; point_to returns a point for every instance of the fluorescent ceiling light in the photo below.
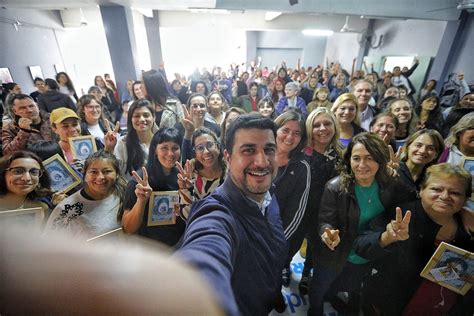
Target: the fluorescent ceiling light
pixel 317 32
pixel 271 15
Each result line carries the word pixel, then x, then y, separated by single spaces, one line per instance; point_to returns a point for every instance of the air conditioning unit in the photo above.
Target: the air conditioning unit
pixel 73 18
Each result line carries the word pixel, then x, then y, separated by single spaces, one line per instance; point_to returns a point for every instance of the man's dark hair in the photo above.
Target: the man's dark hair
pixel 247 121
pixel 52 84
pixel 38 79
pixel 20 96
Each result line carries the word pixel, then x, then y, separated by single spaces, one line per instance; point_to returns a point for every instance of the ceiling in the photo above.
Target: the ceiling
pixel 444 10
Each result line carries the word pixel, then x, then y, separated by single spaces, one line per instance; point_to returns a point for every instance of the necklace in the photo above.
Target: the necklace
pixel 372 189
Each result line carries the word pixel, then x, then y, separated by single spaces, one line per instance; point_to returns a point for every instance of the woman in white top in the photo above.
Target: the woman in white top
pixel 93 210
pixel 66 86
pixel 132 150
pixel 93 121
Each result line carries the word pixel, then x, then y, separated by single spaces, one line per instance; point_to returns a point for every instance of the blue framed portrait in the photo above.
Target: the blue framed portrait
pixel 82 146
pixel 63 177
pixel 163 207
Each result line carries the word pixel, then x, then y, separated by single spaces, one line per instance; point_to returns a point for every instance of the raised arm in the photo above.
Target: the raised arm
pixel 209 244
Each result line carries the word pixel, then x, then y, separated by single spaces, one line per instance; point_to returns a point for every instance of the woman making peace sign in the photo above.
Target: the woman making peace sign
pixel 160 174
pixel 361 192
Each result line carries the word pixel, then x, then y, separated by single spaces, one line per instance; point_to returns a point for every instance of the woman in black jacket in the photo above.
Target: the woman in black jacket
pixel 363 190
pixel 397 288
pixel 292 182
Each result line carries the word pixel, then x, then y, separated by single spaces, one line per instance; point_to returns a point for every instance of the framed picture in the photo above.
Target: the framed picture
pixel 36 72
pixel 5 75
pixel 82 146
pixel 63 177
pixel 25 217
pixel 468 164
pixel 59 68
pixel 162 208
pixel 450 267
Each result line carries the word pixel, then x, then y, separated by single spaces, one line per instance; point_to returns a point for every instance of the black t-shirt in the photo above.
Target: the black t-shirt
pixel 168 234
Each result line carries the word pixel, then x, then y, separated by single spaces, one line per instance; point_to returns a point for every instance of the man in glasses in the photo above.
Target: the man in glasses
pixel 235 236
pixel 29 126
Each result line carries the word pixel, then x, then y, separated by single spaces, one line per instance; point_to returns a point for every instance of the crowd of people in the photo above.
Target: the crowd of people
pixel 371 173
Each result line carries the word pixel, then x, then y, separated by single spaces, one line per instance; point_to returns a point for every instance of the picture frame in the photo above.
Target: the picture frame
pixel 26 217
pixel 82 146
pixel 36 72
pixel 447 267
pixel 162 208
pixel 5 75
pixel 468 165
pixel 112 235
pixel 63 177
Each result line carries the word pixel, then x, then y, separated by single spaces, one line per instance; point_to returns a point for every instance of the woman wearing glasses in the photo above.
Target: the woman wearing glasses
pixel 202 175
pixel 93 121
pixel 23 180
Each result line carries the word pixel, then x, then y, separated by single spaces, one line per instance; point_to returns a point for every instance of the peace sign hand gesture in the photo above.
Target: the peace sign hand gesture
pixel 110 139
pixel 396 230
pixel 187 121
pixel 142 189
pixel 394 162
pixel 331 238
pixel 185 174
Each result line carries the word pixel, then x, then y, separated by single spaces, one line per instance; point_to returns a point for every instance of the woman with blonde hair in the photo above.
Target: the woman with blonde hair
pixel 320 99
pixel 459 148
pixel 323 152
pixel 347 114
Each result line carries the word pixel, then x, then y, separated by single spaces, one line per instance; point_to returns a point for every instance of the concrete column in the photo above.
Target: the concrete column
pixel 152 26
pixel 118 24
pixel 450 44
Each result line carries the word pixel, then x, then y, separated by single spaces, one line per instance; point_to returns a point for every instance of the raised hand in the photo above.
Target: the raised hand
pixel 110 139
pixel 331 238
pixel 394 162
pixel 398 229
pixel 142 189
pixel 25 123
pixel 187 120
pixel 185 174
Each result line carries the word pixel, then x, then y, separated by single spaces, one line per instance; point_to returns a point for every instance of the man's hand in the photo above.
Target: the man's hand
pixel 25 123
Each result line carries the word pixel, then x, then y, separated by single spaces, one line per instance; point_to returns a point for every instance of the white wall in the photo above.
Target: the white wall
pixel 312 48
pixel 189 47
pixel 141 41
pixel 85 50
pixel 410 37
pixel 342 48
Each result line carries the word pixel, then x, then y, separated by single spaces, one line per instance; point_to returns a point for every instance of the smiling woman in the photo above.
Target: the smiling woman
pixel 350 201
pixel 292 183
pixel 23 180
pixel 435 218
pixel 160 174
pixel 93 210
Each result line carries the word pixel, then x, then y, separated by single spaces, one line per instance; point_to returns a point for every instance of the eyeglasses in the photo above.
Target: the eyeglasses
pixel 198 105
pixel 19 171
pixel 207 145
